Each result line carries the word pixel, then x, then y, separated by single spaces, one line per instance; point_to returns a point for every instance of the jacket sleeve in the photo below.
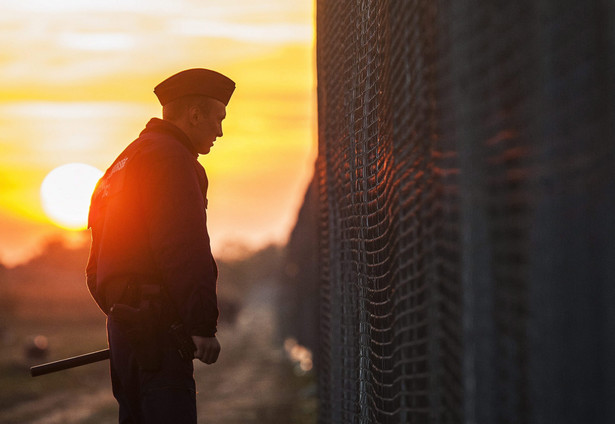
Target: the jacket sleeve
pixel 95 217
pixel 90 274
pixel 175 215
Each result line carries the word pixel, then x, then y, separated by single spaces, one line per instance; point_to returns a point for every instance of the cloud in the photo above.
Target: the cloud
pixel 96 41
pixel 279 33
pixel 70 6
pixel 67 41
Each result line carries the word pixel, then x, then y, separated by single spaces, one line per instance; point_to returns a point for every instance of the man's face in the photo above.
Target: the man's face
pixel 209 126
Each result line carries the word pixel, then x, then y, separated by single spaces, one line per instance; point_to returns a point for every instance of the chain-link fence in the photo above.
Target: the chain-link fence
pixel 466 211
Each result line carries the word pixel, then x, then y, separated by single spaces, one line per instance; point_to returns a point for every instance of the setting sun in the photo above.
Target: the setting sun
pixel 66 193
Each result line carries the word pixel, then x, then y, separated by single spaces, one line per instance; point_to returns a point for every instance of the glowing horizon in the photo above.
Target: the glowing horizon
pixel 76 85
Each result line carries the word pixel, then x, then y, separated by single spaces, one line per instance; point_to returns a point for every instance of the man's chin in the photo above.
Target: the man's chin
pixel 205 150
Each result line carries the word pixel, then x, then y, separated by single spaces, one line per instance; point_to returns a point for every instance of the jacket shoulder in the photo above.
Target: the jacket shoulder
pixel 156 144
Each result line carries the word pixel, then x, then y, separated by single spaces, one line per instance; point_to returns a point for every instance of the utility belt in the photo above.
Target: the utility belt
pixel 145 314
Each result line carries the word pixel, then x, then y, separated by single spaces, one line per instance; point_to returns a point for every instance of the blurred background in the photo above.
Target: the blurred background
pixel 76 86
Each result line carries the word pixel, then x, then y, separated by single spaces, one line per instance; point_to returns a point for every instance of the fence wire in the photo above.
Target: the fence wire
pixel 463 196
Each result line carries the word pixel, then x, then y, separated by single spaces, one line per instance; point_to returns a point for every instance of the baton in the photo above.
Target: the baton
pixel 75 361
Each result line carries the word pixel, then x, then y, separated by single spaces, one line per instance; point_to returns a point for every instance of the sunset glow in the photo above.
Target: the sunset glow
pixel 76 81
pixel 66 193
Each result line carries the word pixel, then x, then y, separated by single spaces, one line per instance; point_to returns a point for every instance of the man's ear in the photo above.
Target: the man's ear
pixel 194 115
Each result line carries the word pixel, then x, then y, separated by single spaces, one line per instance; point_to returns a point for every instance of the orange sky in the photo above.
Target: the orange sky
pixel 76 81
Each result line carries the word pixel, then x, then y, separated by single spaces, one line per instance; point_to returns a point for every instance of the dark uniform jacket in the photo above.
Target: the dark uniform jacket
pixel 149 224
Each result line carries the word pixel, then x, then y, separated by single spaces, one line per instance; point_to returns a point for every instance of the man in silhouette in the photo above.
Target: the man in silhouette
pixel 150 267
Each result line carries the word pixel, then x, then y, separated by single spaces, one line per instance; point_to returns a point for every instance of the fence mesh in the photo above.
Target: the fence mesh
pixel 463 196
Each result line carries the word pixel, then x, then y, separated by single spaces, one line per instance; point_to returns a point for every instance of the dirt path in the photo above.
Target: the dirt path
pixel 253 382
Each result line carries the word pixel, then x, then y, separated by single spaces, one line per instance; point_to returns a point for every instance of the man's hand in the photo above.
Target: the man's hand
pixel 207 349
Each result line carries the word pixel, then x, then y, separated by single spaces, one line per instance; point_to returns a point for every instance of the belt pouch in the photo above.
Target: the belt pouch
pixel 141 328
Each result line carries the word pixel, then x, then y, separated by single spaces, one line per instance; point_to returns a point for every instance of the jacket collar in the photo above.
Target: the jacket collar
pixel 166 127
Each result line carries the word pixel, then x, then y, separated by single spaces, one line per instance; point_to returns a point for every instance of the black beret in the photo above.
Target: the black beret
pixel 195 81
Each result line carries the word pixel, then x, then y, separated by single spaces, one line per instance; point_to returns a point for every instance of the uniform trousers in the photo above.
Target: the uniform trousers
pixel 151 397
